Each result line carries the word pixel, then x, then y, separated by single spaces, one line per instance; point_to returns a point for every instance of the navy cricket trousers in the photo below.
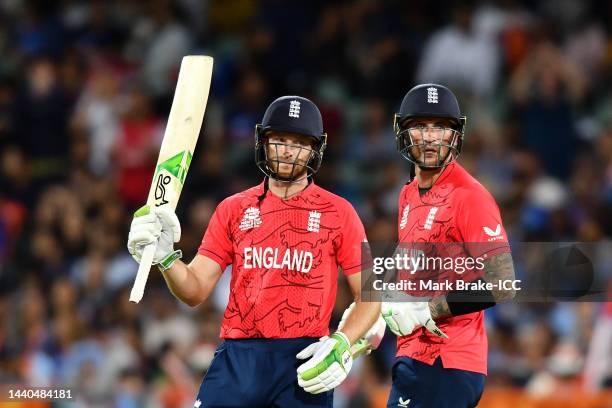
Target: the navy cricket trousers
pixel 258 373
pixel 420 385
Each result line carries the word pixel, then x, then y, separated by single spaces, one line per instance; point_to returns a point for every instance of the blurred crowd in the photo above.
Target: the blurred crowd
pixel 85 88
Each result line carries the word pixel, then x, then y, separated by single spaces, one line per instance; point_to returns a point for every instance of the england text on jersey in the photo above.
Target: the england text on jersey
pixel 271 258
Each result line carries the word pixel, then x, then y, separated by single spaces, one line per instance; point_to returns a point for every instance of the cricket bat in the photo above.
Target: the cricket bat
pixel 180 138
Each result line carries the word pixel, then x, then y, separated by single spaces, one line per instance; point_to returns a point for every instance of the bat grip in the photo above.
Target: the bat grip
pixel 143 273
pixel 360 349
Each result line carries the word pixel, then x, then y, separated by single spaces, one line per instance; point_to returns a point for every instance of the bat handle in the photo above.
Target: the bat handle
pixel 143 273
pixel 360 349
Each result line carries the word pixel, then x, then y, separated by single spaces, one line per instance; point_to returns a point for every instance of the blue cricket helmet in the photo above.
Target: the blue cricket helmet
pixel 423 101
pixel 291 114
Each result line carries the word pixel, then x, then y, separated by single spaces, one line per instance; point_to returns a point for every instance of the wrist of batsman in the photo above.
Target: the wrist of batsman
pixel 168 261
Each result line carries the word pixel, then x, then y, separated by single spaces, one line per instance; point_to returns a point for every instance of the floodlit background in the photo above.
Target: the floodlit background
pixel 85 88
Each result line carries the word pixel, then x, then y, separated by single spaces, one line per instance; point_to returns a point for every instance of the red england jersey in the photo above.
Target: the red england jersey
pixel 285 256
pixel 456 209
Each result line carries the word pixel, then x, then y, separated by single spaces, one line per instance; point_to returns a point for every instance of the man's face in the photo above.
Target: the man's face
pixel 288 153
pixel 431 138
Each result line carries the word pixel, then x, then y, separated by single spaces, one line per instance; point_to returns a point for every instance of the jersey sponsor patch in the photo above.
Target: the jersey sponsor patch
pixel 493 234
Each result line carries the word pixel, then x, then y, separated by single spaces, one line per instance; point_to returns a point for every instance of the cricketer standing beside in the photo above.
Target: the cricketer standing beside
pixel 285 239
pixel 441 358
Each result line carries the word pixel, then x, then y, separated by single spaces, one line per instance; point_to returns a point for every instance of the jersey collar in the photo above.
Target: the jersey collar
pixel 446 173
pixel 303 194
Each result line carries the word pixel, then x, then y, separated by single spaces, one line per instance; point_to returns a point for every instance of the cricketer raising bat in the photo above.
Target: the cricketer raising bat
pixel 180 137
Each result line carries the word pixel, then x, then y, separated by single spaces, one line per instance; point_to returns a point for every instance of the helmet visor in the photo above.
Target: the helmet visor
pixel 289 162
pixel 288 156
pixel 429 147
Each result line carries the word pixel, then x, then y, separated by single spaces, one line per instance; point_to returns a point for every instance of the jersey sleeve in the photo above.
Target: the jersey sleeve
pixel 480 224
pixel 349 243
pixel 216 243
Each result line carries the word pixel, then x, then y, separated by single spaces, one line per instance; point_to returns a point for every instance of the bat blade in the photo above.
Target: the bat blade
pixel 176 152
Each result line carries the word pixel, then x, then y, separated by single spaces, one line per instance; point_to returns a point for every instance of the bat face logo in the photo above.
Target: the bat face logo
pixel 160 189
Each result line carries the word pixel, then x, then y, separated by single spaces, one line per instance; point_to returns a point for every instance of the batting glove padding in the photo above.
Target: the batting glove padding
pixel 329 364
pixel 158 225
pixel 371 340
pixel 404 317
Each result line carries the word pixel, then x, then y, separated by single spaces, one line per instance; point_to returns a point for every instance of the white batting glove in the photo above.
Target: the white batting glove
pixel 371 340
pixel 404 317
pixel 329 364
pixel 158 225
